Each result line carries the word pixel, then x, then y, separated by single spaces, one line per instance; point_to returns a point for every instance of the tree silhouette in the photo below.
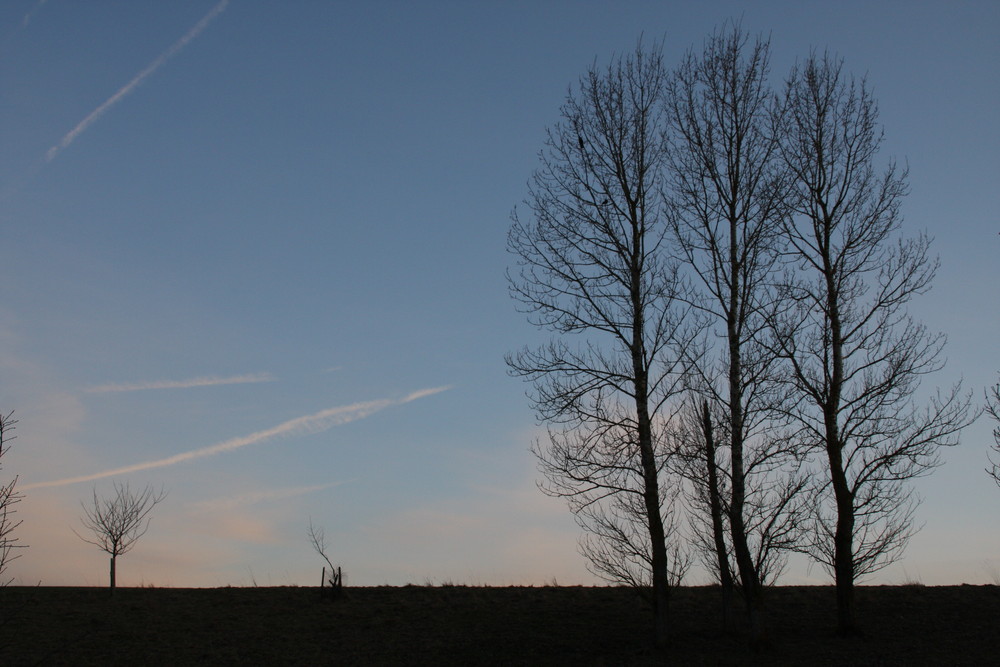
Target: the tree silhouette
pixel 993 410
pixel 9 496
pixel 726 202
pixel 118 522
pixel 317 539
pixel 591 269
pixel 616 543
pixel 853 354
pixel 698 461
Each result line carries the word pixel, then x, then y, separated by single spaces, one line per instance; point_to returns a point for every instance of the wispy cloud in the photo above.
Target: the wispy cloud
pixel 134 83
pixel 31 12
pixel 210 381
pixel 424 393
pixel 234 502
pixel 305 425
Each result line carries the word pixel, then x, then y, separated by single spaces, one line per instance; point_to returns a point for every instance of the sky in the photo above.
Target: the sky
pixel 253 253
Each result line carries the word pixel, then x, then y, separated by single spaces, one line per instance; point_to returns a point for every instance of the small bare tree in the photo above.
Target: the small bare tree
pixel 317 539
pixel 993 410
pixel 9 496
pixel 118 522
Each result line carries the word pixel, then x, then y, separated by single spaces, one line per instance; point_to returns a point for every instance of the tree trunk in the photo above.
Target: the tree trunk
pixel 846 623
pixel 112 575
pixel 657 535
pixel 749 579
pixel 650 473
pixel 843 547
pixel 843 539
pixel 715 504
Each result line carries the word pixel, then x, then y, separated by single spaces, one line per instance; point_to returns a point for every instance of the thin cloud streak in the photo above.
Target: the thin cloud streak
pixel 305 425
pixel 223 504
pixel 209 381
pixel 424 393
pixel 134 83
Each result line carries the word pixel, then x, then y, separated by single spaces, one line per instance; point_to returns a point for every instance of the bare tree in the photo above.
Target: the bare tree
pixel 993 410
pixel 317 539
pixel 853 353
pixel 9 497
pixel 591 269
pixel 726 202
pixel 616 542
pixel 118 522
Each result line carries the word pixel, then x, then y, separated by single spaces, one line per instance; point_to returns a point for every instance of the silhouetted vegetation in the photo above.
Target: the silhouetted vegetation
pixel 854 355
pixel 332 582
pixel 725 194
pixel 9 497
pixel 726 274
pixel 993 410
pixel 590 269
pixel 118 522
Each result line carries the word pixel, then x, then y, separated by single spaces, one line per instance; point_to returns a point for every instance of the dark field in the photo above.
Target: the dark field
pixel 906 625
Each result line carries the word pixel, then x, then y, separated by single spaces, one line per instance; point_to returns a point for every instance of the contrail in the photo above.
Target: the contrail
pixel 180 384
pixel 306 425
pixel 131 85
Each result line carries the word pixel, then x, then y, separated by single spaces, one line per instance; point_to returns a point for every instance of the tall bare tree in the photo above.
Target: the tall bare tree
pixel 591 269
pixel 118 522
pixel 9 497
pixel 726 202
pixel 993 410
pixel 853 353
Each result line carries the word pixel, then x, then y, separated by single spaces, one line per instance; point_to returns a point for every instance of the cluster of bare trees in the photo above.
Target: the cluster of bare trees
pixel 722 267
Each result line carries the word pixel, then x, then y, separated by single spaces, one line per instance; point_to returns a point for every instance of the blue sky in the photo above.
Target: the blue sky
pixel 254 253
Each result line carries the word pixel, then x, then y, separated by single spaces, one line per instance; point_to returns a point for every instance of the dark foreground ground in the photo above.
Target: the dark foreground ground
pixel 906 625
